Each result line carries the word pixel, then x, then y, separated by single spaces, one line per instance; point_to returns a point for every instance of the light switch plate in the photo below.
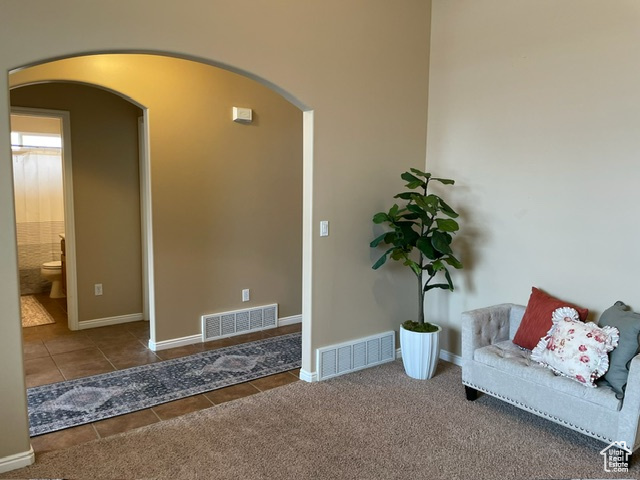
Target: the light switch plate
pixel 324 228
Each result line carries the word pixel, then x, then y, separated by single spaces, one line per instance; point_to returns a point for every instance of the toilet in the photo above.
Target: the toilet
pixel 52 271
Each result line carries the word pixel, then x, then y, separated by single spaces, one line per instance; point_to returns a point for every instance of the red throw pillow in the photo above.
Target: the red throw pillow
pixel 536 321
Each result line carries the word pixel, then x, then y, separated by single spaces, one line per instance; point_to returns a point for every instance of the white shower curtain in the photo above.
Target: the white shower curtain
pixel 39 203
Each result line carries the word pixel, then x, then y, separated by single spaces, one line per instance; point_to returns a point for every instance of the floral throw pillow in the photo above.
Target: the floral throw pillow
pixel 575 349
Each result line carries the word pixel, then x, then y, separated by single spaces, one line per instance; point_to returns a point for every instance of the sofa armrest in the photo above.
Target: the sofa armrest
pixel 630 412
pixel 485 326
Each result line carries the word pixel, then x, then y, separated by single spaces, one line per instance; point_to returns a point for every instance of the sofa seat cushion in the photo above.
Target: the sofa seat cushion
pixel 513 360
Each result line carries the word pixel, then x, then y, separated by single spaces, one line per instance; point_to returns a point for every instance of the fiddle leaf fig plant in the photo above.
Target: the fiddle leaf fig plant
pixel 420 235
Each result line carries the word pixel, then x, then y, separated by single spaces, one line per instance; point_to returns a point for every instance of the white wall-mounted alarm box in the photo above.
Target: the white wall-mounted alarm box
pixel 243 115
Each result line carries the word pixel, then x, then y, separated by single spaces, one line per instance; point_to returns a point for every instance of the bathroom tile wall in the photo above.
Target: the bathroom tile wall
pixel 38 242
pixel 39 208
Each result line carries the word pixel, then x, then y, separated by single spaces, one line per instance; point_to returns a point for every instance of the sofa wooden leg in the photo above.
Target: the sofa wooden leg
pixel 472 393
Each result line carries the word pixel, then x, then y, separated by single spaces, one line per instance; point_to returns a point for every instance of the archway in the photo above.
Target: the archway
pixel 113 72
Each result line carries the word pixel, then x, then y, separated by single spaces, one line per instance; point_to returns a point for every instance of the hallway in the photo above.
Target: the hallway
pixel 53 353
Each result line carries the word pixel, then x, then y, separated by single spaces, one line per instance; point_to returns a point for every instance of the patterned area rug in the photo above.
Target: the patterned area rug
pixel 84 400
pixel 33 313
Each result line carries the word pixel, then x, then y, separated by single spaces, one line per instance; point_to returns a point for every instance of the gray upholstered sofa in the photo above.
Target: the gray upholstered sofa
pixel 492 364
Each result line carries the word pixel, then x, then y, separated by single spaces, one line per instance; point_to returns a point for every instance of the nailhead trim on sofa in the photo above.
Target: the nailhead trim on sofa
pixel 538 412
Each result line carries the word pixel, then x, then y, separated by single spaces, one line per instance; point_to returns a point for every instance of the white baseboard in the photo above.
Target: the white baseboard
pixel 289 320
pixel 181 342
pixel 17 460
pixel 308 376
pixel 444 355
pixel 175 342
pixel 451 357
pixel 103 322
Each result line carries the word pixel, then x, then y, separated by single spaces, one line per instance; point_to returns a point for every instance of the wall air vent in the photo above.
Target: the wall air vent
pixel 355 355
pixel 228 324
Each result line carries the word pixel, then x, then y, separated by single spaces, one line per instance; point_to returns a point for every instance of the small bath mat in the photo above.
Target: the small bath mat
pixel 33 313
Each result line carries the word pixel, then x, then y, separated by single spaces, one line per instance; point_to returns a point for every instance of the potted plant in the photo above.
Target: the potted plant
pixel 420 237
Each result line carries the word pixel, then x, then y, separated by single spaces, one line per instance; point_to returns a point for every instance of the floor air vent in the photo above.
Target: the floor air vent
pixel 356 355
pixel 227 324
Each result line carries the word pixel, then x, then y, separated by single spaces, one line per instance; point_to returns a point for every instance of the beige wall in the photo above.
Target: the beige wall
pixel 106 193
pixel 361 66
pixel 534 109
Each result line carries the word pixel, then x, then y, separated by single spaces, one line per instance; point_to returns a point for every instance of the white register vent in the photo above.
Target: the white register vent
pixel 227 324
pixel 355 355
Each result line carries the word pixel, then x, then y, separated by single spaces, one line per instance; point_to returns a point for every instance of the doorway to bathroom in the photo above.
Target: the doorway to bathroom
pixel 42 211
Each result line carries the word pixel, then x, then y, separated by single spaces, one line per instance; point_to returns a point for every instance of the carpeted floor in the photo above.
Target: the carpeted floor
pixel 33 313
pixel 372 424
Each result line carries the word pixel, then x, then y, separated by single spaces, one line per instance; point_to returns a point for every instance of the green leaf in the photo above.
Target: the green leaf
pixel 381 261
pixel 448 277
pixel 447 225
pixel 391 238
pixel 409 178
pixel 420 173
pixel 418 212
pixel 405 195
pixel 414 266
pixel 381 217
pixel 409 235
pixel 445 181
pixel 436 285
pixel 393 211
pixel 375 242
pixel 441 242
pixel 398 254
pixel 453 261
pixel 424 245
pixel 415 208
pixel 447 210
pixel 431 200
pixel 427 204
pixel 412 181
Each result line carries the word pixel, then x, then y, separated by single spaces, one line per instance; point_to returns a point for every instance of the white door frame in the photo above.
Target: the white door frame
pixel 148 303
pixel 69 219
pixel 146 233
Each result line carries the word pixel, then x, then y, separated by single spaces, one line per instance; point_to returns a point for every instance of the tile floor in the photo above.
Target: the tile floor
pixel 54 353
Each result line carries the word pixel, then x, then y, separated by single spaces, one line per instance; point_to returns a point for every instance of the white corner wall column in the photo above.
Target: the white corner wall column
pixel 306 372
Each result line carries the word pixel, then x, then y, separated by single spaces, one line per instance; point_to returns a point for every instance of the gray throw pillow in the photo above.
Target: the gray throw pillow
pixel 628 324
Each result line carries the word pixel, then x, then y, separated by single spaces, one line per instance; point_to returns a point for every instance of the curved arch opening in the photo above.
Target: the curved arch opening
pixel 193 58
pixel 166 234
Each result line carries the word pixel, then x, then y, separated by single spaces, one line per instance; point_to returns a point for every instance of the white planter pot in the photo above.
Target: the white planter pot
pixel 420 352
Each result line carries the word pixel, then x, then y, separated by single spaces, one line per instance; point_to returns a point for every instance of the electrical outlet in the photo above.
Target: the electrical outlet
pixel 245 295
pixel 97 288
